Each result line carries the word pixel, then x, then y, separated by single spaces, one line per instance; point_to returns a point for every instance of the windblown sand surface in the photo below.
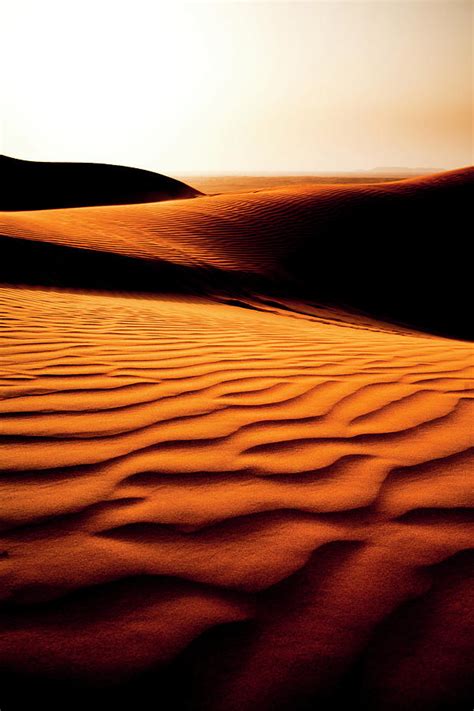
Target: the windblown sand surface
pixel 387 248
pixel 247 233
pixel 214 184
pixel 265 501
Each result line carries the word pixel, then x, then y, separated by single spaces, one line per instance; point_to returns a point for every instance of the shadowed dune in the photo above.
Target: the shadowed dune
pixel 222 494
pixel 326 243
pixel 32 185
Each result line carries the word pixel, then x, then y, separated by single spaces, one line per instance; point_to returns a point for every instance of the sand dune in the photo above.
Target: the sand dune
pixel 326 242
pixel 32 185
pixel 213 184
pixel 227 495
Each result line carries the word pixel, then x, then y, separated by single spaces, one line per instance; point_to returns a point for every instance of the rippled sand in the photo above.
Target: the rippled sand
pixel 271 502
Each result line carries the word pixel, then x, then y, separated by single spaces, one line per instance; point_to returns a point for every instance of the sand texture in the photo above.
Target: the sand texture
pixel 224 497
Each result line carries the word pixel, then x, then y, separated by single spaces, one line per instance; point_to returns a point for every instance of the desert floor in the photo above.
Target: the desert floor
pixel 239 504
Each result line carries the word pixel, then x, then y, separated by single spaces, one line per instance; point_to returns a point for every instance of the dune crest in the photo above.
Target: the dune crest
pixel 325 243
pixel 34 185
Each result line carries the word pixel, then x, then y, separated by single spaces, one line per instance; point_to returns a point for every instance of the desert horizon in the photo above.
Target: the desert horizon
pixel 236 356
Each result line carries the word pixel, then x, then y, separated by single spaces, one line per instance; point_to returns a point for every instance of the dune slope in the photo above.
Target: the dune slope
pixel 230 489
pixel 296 487
pixel 33 185
pixel 385 248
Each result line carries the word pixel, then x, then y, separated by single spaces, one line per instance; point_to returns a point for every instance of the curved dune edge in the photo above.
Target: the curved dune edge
pixel 216 231
pixel 266 506
pixel 386 249
pixel 36 185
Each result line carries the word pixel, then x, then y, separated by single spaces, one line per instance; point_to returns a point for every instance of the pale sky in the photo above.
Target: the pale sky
pixel 244 87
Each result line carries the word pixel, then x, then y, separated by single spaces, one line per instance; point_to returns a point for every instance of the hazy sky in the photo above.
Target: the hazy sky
pixel 239 86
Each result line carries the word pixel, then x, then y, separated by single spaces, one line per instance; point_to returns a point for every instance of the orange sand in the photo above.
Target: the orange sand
pixel 213 184
pixel 242 232
pixel 170 464
pixel 223 447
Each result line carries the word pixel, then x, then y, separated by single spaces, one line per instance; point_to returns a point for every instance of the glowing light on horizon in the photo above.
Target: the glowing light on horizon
pixel 240 87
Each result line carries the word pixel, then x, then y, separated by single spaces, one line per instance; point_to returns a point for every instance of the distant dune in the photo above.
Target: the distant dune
pixel 244 485
pixel 32 185
pixel 402 171
pixel 390 249
pixel 212 184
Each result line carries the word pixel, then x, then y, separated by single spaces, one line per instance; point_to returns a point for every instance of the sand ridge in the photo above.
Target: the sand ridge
pixel 243 232
pixel 36 185
pixel 324 243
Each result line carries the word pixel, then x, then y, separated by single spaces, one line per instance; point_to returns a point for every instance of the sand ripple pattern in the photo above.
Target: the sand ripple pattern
pixel 171 467
pixel 242 232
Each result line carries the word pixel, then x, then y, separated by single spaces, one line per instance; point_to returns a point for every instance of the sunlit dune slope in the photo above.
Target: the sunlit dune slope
pixel 226 508
pixel 31 185
pixel 392 249
pixel 213 184
pixel 248 485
